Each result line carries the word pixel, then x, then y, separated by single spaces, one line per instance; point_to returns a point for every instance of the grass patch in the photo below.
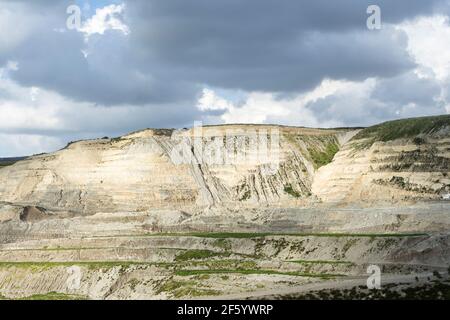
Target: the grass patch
pixel 49 296
pixel 54 296
pixel 184 273
pixel 57 249
pixel 244 192
pixel 405 128
pixel 322 262
pixel 222 264
pixel 289 190
pixel 222 244
pixel 88 264
pixel 438 290
pixel 214 235
pixel 180 289
pixel 6 163
pixel 250 235
pixel 247 195
pixel 192 260
pixel 321 158
pixel 199 255
pixel 116 139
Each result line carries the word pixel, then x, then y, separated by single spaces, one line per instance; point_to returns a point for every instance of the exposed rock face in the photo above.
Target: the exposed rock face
pixel 33 214
pixel 138 172
pixel 241 210
pixel 237 166
pixel 395 161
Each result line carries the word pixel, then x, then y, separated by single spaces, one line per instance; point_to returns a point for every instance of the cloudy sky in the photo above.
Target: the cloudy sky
pixel 134 64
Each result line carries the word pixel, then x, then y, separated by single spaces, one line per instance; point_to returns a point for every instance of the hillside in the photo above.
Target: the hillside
pixel 137 172
pixel 4 162
pixel 395 161
pixel 235 211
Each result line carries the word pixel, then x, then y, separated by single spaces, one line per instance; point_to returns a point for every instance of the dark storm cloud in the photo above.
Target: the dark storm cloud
pixel 175 46
pixel 258 17
pixel 270 45
pixel 106 77
pixel 402 96
pixel 153 76
pixel 408 88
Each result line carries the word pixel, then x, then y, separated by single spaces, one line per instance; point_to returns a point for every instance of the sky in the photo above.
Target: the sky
pixel 135 64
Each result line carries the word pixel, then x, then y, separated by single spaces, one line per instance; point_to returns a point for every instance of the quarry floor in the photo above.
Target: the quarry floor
pixel 121 257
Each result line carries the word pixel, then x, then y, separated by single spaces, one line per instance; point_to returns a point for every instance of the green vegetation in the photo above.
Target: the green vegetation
pixel 185 273
pixel 38 266
pixel 226 235
pixel 180 289
pixel 321 158
pixel 54 296
pixel 250 235
pixel 289 190
pixel 244 191
pixel 49 296
pixel 133 283
pixel 434 290
pixel 199 254
pixel 191 259
pixel 405 128
pixel 321 262
pixel 70 143
pixel 116 139
pixel 247 194
pixel 418 161
pixel 6 163
pixel 419 141
pixel 222 244
pixel 219 264
pixel 163 132
pixel 57 249
pixel 321 148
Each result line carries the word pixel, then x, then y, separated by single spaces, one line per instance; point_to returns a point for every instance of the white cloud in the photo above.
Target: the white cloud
pixel 349 102
pixel 211 101
pixel 12 145
pixel 261 107
pixel 35 120
pixel 34 93
pixel 106 18
pixel 15 25
pixel 20 110
pixel 47 118
pixel 429 45
pixel 12 66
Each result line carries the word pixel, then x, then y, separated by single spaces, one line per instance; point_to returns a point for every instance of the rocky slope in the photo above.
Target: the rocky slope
pixel 237 166
pixel 220 166
pixel 227 211
pixel 395 161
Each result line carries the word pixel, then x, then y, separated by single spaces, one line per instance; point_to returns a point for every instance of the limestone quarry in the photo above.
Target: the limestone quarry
pixel 231 211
